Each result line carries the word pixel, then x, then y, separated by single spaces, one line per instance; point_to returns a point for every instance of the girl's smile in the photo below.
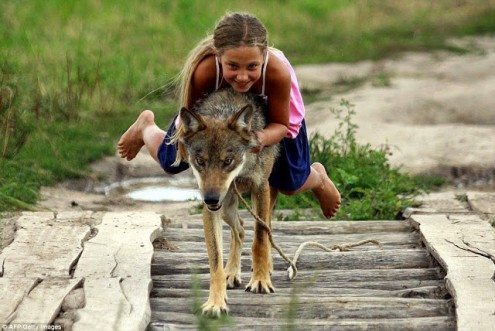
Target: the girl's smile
pixel 241 67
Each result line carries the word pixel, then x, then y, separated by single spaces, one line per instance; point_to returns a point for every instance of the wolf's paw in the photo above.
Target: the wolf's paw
pixel 215 309
pixel 233 280
pixel 260 285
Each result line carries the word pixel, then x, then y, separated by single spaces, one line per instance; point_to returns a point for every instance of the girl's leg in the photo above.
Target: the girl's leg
pixel 143 132
pixel 323 188
pixel 273 197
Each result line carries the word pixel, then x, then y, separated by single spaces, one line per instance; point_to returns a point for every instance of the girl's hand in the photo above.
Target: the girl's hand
pixel 257 136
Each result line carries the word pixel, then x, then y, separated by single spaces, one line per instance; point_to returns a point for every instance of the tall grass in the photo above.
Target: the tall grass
pixel 74 74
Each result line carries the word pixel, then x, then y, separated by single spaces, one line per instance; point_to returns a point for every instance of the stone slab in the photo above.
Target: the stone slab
pixel 45 244
pixel 116 266
pixel 463 245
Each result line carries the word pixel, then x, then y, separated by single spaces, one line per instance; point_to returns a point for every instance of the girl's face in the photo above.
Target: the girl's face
pixel 241 67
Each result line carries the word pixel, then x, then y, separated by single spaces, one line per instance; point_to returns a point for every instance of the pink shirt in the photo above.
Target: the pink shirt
pixel 296 107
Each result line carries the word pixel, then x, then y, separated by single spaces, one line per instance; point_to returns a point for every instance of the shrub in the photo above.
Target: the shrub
pixel 370 187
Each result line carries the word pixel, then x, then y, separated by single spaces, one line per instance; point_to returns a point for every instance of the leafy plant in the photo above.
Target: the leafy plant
pixel 370 187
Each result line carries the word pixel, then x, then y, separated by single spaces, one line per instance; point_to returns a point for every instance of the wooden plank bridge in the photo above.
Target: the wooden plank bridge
pixel 396 287
pixel 100 271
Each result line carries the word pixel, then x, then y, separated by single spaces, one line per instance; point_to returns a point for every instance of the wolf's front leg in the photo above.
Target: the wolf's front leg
pixel 217 300
pixel 231 217
pixel 262 258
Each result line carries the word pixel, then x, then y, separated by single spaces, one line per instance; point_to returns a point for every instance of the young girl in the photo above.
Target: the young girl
pixel 237 55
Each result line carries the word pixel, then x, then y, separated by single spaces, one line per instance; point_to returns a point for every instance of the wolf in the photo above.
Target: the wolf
pixel 218 137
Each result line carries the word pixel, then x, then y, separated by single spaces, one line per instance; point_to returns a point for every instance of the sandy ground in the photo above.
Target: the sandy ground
pixel 437 115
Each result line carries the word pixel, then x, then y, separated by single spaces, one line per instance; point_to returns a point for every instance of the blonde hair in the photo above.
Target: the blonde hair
pixel 232 31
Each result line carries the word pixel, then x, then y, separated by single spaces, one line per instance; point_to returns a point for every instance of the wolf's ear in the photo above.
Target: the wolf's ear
pixel 241 121
pixel 191 121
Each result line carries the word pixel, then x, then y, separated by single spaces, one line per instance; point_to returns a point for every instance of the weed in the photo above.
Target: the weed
pixel 381 79
pixel 370 187
pixel 461 197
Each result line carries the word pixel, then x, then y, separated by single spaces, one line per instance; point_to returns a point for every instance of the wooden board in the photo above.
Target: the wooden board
pixel 43 303
pixel 463 245
pixel 51 255
pixel 45 244
pixel 12 292
pixel 114 304
pixel 116 267
pixel 37 265
pixel 188 322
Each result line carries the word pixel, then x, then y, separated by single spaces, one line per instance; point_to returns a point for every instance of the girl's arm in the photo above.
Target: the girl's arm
pixel 203 79
pixel 278 84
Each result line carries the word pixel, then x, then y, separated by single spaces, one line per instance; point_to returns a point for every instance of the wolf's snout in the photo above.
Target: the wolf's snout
pixel 211 198
pixel 212 201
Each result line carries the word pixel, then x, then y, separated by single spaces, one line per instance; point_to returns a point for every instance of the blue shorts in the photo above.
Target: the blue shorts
pixel 292 167
pixel 167 153
pixel 290 172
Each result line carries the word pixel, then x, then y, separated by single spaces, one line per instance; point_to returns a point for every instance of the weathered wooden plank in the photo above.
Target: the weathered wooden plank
pixel 184 322
pixel 165 263
pixel 372 285
pixel 429 292
pixel 288 247
pixel 116 268
pixel 269 306
pixel 441 202
pixel 114 304
pixel 338 227
pixel 43 302
pixel 469 273
pixel 385 279
pixel 183 238
pixel 307 227
pixel 45 244
pixel 12 292
pixel 122 246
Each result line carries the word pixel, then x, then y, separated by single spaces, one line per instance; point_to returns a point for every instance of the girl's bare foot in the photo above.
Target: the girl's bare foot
pixel 327 194
pixel 132 140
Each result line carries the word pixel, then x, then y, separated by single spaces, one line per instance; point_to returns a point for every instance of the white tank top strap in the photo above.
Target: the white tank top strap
pixel 264 73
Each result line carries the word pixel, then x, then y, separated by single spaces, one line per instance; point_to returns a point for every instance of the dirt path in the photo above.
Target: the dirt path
pixel 437 114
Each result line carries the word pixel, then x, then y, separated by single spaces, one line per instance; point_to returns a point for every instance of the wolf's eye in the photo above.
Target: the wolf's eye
pixel 200 161
pixel 227 161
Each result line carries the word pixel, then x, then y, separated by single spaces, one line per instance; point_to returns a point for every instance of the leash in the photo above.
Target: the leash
pixel 292 270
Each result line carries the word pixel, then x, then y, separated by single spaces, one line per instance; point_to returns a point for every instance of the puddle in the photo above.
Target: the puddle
pixel 158 194
pixel 155 189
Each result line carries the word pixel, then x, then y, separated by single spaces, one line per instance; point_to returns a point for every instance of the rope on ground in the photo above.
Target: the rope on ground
pixel 292 270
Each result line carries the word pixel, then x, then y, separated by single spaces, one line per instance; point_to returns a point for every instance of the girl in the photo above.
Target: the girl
pixel 237 55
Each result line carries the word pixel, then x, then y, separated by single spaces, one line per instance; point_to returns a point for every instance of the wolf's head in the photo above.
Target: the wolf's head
pixel 217 149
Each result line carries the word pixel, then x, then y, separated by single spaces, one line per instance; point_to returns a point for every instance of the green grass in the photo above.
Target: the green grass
pixel 74 74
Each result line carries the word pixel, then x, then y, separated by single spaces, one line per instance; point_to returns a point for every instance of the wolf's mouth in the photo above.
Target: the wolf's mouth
pixel 214 207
